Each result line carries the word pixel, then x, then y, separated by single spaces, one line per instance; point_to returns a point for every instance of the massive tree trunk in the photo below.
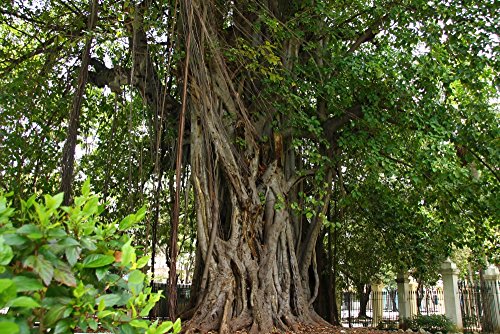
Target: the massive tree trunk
pixel 252 277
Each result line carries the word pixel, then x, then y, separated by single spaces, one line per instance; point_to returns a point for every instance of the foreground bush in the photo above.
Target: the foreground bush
pixel 61 268
pixel 431 323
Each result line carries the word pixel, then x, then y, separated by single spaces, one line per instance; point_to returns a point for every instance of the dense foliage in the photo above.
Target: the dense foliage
pixel 64 268
pixel 430 323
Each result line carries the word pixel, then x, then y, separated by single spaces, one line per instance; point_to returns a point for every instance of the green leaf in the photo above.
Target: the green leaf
pixel 6 253
pixel 177 326
pixel 127 329
pixel 136 281
pixel 24 328
pixel 43 215
pixel 24 301
pixel 143 261
pixel 101 272
pixel 109 299
pixel 91 206
pixel 80 290
pixel 127 222
pixel 128 253
pixel 86 187
pixel 7 291
pixel 8 327
pixel 140 214
pixel 69 242
pixel 139 323
pixel 165 327
pixel 14 239
pixel 101 306
pixel 29 203
pixel 57 233
pixel 62 327
pixel 31 231
pixel 64 275
pixel 93 324
pixel 44 269
pixel 136 277
pixel 145 310
pixel 53 203
pixel 72 254
pixel 98 260
pixel 54 314
pixel 105 313
pixel 24 284
pixel 88 243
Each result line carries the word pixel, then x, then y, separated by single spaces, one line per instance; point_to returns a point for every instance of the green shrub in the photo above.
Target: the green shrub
pixel 388 325
pixel 431 323
pixel 63 268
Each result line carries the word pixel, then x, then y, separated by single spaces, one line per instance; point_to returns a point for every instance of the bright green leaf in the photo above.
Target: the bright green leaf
pixel 24 301
pixel 143 261
pixel 109 299
pixel 8 327
pixel 97 260
pixel 139 323
pixel 128 253
pixel 6 253
pixel 24 284
pixel 31 231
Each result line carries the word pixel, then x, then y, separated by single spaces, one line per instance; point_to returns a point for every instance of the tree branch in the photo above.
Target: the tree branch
pixel 332 125
pixel 103 76
pixel 368 35
pixel 298 177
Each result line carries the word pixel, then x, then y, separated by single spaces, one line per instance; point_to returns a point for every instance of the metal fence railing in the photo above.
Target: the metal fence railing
pixel 357 309
pixel 479 305
pixel 429 301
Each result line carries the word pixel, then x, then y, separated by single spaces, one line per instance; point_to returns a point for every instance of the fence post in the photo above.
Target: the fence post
pixel 440 298
pixel 413 298
pixel 403 294
pixel 452 308
pixel 377 304
pixel 492 301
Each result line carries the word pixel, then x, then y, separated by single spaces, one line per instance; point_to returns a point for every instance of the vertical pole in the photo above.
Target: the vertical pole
pixel 413 298
pixel 377 303
pixel 440 298
pixel 403 296
pixel 349 304
pixel 491 301
pixel 452 308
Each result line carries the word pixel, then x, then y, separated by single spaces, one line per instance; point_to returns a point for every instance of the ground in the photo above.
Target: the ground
pixel 331 330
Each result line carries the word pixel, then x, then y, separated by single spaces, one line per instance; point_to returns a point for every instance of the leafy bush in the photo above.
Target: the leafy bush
pixel 470 321
pixel 388 325
pixel 431 323
pixel 62 268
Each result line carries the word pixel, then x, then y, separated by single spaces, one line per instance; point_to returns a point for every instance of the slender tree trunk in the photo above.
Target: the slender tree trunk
pixel 68 159
pixel 172 277
pixel 335 317
pixel 364 291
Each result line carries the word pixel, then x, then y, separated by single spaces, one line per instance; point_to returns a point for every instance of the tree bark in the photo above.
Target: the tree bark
pixel 364 291
pixel 251 278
